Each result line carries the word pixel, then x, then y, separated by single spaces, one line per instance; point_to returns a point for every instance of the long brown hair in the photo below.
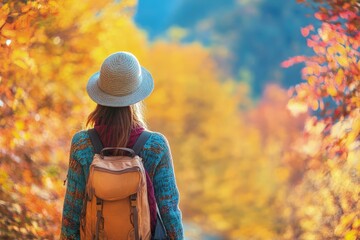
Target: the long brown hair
pixel 118 121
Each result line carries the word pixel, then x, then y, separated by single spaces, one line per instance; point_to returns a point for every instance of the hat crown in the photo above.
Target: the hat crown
pixel 120 74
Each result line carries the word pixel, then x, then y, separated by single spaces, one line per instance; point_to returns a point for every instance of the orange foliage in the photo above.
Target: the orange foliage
pixel 280 130
pixel 42 47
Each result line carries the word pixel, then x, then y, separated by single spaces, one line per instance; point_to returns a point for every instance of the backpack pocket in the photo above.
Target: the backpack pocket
pixel 112 185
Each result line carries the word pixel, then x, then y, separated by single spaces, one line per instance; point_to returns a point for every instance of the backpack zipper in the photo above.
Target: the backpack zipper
pixel 110 158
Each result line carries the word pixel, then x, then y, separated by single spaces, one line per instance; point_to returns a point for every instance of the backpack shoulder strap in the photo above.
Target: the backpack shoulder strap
pixel 95 140
pixel 140 142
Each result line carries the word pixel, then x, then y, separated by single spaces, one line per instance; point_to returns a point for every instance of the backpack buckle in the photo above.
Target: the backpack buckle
pixel 133 198
pixel 99 204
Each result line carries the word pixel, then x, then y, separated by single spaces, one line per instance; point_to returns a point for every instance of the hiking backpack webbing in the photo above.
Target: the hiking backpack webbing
pixel 95 140
pixel 140 142
pixel 98 146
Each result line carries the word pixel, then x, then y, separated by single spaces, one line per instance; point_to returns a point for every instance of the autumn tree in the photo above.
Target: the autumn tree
pixel 44 52
pixel 25 208
pixel 329 192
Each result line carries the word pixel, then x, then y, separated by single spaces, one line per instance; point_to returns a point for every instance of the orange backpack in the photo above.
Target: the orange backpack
pixel 116 204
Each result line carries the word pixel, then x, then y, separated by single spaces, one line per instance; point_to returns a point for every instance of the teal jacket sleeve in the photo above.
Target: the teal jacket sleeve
pixel 167 194
pixel 70 227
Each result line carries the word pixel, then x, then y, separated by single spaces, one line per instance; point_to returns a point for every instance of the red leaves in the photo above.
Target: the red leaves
pixel 292 61
pixel 311 43
pixel 321 16
pixel 335 61
pixel 348 15
pixel 306 30
pixel 333 73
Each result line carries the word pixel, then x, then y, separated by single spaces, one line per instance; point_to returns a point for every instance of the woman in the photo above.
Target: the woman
pixel 118 89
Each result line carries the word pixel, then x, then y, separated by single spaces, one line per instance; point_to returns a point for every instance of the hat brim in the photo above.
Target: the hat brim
pixel 102 98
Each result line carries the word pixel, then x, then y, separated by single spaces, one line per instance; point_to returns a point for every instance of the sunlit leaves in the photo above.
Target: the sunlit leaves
pixel 331 140
pixel 297 108
pixel 332 70
pixel 339 78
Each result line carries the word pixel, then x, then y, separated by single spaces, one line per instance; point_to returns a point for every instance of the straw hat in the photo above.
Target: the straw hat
pixel 120 82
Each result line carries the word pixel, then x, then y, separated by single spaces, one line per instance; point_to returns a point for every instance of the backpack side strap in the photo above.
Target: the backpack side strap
pixel 160 231
pixel 140 142
pixel 95 140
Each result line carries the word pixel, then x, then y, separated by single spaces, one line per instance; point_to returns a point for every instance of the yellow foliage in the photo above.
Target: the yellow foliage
pixel 331 91
pixel 339 78
pixel 296 107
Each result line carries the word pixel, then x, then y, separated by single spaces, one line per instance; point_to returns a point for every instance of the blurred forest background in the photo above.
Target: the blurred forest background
pixel 255 36
pixel 259 100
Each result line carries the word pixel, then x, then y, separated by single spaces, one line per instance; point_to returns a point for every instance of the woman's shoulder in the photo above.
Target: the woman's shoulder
pixel 81 148
pixel 155 150
pixel 80 138
pixel 157 143
pixel 159 139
